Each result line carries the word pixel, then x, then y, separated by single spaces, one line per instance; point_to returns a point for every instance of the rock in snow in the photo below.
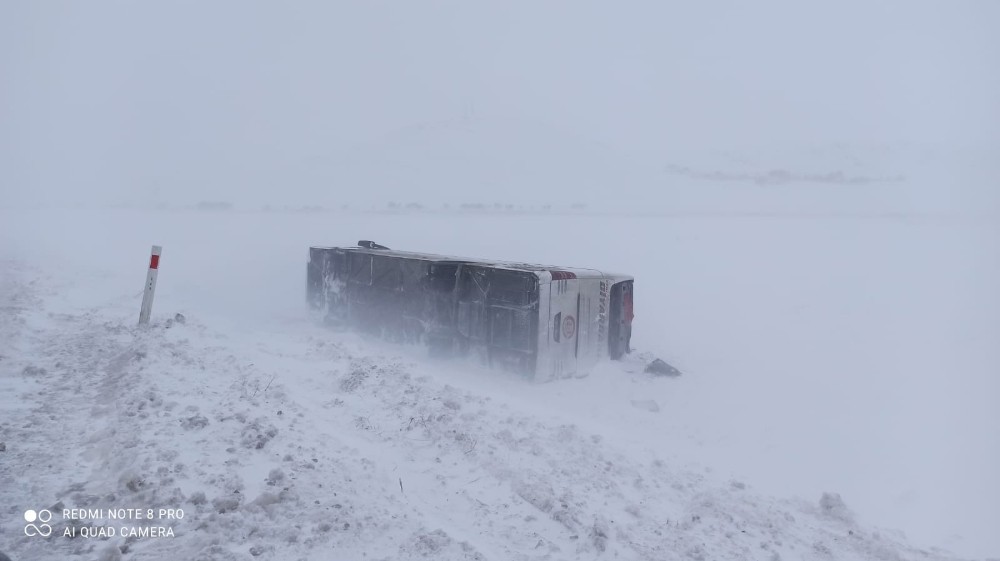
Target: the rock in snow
pixel 659 367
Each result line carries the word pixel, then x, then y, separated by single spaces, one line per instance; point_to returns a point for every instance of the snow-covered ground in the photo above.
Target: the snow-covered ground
pixel 840 390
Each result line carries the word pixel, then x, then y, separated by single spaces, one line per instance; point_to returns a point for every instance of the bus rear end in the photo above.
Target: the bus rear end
pixel 586 317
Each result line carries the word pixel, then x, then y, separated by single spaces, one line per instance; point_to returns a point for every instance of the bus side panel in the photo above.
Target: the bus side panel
pixel 563 331
pixel 544 362
pixel 591 339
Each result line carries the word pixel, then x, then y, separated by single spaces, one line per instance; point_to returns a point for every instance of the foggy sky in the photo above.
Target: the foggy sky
pixel 326 102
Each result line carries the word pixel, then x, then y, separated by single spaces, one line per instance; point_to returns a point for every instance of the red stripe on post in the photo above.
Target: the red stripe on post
pixel 154 261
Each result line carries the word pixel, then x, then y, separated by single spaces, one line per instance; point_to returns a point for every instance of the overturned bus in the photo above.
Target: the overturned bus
pixel 542 322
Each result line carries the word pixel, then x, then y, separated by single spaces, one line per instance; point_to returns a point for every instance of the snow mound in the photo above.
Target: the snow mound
pixel 298 444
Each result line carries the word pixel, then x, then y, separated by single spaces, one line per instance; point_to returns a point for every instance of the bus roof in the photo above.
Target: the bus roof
pixel 509 265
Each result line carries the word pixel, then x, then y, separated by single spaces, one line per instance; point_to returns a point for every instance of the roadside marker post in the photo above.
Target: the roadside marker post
pixel 147 294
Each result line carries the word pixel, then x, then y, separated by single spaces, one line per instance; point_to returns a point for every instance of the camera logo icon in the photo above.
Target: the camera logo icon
pixel 41 529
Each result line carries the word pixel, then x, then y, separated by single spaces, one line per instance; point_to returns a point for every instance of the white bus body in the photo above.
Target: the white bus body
pixel 543 322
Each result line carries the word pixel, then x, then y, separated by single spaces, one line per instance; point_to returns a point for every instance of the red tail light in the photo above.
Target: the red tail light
pixel 562 275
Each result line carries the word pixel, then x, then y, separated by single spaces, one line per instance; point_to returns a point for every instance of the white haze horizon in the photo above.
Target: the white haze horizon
pixel 325 104
pixel 808 197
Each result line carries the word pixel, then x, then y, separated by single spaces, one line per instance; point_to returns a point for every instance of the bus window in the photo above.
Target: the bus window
pixel 386 273
pixel 338 264
pixel 472 320
pixel 510 287
pixel 512 329
pixel 523 337
pixel 442 277
pixel 361 268
pixel 472 285
pixel 472 303
pixel 412 273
